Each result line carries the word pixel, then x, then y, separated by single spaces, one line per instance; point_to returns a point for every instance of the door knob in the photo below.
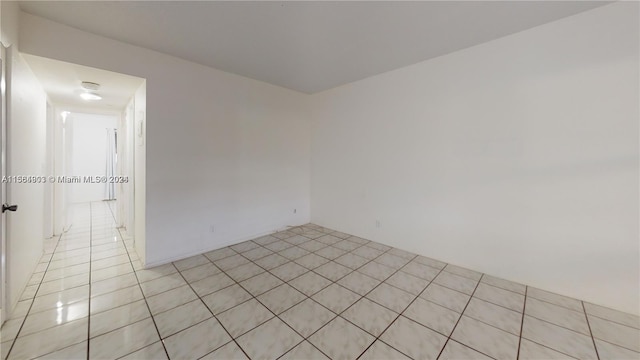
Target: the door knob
pixel 6 207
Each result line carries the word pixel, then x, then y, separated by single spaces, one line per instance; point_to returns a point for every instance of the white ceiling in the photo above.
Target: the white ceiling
pixel 307 46
pixel 61 81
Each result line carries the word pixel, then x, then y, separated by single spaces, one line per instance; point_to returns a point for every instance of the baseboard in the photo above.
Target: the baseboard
pixel 215 247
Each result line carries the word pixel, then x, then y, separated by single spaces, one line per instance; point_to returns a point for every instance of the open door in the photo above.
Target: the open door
pixel 6 208
pixel 3 171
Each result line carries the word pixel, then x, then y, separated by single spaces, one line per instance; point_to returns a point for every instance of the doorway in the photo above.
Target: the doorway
pixel 100 108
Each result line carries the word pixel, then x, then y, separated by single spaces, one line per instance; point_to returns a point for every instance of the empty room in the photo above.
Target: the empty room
pixel 320 180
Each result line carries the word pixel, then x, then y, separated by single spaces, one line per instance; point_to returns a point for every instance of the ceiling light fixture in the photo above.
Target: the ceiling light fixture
pixel 90 86
pixel 90 89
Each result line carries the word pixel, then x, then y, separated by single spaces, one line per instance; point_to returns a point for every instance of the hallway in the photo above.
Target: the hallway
pixel 56 299
pixel 305 293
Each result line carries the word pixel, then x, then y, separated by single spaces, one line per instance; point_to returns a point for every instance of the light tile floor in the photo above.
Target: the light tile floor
pixel 305 293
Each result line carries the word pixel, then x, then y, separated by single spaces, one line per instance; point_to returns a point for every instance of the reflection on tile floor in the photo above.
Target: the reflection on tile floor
pixel 305 293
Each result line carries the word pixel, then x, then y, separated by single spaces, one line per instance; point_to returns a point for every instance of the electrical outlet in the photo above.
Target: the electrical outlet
pixel 212 228
pixel 295 211
pixel 378 225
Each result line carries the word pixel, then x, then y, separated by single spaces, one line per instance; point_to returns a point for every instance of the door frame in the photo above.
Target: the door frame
pixel 3 172
pixel 49 199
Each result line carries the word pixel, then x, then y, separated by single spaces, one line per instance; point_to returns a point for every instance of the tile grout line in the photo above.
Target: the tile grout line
pixel 238 283
pixel 499 287
pixel 500 329
pixel 212 314
pixel 105 258
pixel 256 298
pixel 524 308
pixel 114 276
pixel 554 304
pixel 552 349
pixel 289 261
pixel 372 260
pixel 612 321
pixel 593 340
pixel 617 345
pixel 90 284
pixel 419 296
pixel 507 332
pixel 534 317
pixel 377 338
pixel 336 282
pixel 33 299
pixel 143 295
pixel 566 328
pixel 53 253
pixel 284 282
pixel 507 308
pixel 460 318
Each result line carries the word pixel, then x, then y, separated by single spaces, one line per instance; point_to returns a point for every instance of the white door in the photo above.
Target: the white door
pixel 3 171
pixel 6 208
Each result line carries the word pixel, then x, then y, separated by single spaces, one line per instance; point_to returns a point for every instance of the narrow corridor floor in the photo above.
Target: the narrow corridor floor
pixel 305 293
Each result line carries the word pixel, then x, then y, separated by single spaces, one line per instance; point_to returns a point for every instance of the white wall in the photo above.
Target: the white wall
pixel 87 141
pixel 26 128
pixel 221 150
pixel 517 157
